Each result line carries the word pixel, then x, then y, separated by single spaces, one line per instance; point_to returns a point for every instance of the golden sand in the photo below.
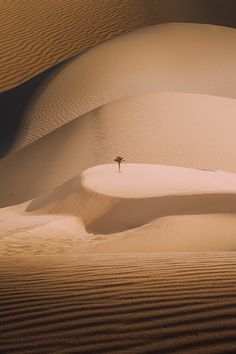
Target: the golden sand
pixel 181 303
pixel 173 57
pixel 188 130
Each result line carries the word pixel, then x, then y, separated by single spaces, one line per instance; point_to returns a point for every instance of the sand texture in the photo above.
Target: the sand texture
pixel 169 303
pixel 38 34
pixel 96 260
pixel 188 130
pixel 173 57
pixel 165 209
pixel 35 35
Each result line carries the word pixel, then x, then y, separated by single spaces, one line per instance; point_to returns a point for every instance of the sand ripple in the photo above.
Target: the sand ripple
pixel 195 131
pixel 181 303
pixel 152 59
pixel 35 35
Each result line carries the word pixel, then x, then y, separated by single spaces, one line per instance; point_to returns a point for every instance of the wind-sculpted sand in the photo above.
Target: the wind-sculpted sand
pixel 88 257
pixel 144 208
pixel 188 130
pixel 35 35
pixel 173 57
pixel 165 303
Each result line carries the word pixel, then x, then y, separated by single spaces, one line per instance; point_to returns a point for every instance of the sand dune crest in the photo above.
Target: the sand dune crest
pixel 35 35
pixel 188 130
pixel 109 201
pixel 173 57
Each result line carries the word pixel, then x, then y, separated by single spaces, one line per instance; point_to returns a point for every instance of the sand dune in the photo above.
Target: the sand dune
pixel 181 303
pixel 78 272
pixel 188 130
pixel 174 57
pixel 165 209
pixel 210 232
pixel 54 297
pixel 37 35
pixel 112 201
pixel 147 198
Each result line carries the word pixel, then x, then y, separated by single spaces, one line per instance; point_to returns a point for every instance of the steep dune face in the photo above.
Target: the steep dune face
pixel 169 128
pixel 175 57
pixel 35 35
pixel 109 201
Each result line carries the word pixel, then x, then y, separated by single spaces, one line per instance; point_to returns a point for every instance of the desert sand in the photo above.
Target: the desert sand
pixel 36 35
pixel 196 131
pixel 93 260
pixel 123 296
pixel 170 57
pixel 182 303
pixel 130 211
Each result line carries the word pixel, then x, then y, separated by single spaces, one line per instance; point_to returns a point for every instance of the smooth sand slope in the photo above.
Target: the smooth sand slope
pixel 188 130
pixel 35 35
pixel 165 303
pixel 174 57
pixel 144 208
pixel 114 201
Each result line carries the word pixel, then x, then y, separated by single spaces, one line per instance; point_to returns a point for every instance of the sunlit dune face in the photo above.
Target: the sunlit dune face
pixel 36 35
pixel 189 130
pixel 176 57
pixel 140 208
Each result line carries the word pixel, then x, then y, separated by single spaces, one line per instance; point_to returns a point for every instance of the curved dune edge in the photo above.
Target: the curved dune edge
pixel 109 201
pixel 166 209
pixel 172 57
pixel 211 232
pixel 36 35
pixel 194 131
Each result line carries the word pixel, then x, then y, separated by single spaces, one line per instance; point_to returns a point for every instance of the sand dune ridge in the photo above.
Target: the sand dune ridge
pixel 174 57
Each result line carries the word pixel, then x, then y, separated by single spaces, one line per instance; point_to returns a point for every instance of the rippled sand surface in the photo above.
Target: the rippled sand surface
pixel 178 129
pixel 169 303
pixel 35 35
pixel 62 289
pixel 169 57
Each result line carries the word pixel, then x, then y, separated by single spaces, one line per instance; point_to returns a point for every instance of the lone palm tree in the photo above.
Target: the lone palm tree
pixel 119 160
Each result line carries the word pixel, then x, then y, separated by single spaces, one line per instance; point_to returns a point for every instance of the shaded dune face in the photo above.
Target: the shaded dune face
pixel 13 104
pixel 174 57
pixel 37 35
pixel 189 130
pixel 175 208
pixel 108 201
